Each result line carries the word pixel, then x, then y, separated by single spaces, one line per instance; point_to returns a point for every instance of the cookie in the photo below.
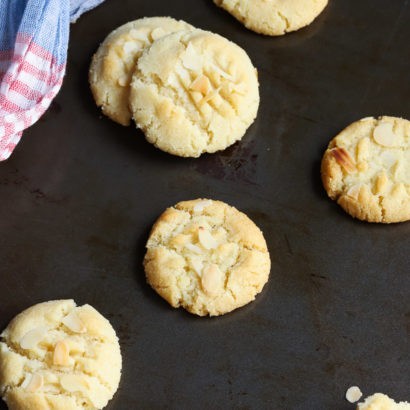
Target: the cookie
pixel 273 17
pixel 207 257
pixel 366 169
pixel 114 62
pixel 56 355
pixel 194 92
pixel 379 401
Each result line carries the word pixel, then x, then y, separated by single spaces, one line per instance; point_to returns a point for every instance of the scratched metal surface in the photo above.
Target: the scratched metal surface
pixel 80 193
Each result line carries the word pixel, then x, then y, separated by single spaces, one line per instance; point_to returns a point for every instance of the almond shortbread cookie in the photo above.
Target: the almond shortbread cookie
pixel 207 257
pixel 114 62
pixel 366 169
pixel 56 355
pixel 379 401
pixel 194 92
pixel 273 17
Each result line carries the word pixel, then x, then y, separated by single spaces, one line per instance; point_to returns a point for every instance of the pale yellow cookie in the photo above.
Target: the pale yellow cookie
pixel 194 92
pixel 59 356
pixel 379 401
pixel 366 169
pixel 207 257
pixel 273 17
pixel 114 62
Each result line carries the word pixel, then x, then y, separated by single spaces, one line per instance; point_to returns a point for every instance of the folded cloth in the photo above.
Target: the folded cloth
pixel 78 7
pixel 33 55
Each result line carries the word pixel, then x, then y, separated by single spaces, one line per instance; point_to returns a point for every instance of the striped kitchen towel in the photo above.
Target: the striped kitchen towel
pixel 33 55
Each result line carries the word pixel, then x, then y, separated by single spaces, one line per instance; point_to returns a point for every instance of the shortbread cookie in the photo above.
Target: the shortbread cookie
pixel 194 92
pixel 273 17
pixel 114 62
pixel 380 401
pixel 56 355
pixel 207 257
pixel 366 169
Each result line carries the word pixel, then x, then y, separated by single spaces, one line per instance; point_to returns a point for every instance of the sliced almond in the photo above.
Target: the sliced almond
pixel 383 134
pixel 76 345
pixel 191 59
pixel 123 81
pixel 129 47
pixel 353 394
pixel 210 96
pixel 74 323
pixel 51 378
pixel 32 338
pixel 197 264
pixel 344 159
pixel 201 84
pixel 61 355
pixel 26 381
pixel 221 72
pixel 201 205
pixel 230 88
pixel 381 183
pixel 362 149
pixel 180 240
pixel 35 384
pixel 73 383
pixel 158 33
pixel 396 169
pixel 193 248
pixel 138 35
pixel 206 239
pixel 354 191
pixel 211 279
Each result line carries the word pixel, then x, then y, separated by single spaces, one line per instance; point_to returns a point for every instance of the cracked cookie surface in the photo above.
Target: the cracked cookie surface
pixel 207 257
pixel 379 401
pixel 273 17
pixel 56 355
pixel 366 169
pixel 114 62
pixel 194 92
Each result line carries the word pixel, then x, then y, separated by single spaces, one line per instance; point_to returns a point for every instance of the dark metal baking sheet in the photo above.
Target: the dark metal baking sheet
pixel 80 193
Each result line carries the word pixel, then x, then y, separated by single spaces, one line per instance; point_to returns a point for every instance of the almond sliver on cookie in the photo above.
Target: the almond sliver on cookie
pixel 344 159
pixel 35 383
pixel 383 134
pixel 206 239
pixel 211 276
pixel 74 323
pixel 354 191
pixel 32 338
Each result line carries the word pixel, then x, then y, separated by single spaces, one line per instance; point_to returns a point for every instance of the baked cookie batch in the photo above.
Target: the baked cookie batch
pixel 379 401
pixel 192 92
pixel 273 17
pixel 366 169
pixel 207 257
pixel 57 355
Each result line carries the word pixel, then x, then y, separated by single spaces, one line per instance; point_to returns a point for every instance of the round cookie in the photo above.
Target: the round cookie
pixel 56 355
pixel 366 169
pixel 273 17
pixel 207 257
pixel 114 62
pixel 194 92
pixel 379 401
